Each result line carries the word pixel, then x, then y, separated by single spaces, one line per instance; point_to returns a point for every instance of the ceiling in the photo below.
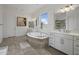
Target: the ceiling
pixel 28 8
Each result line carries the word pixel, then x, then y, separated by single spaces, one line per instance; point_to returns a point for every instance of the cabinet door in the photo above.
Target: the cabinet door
pixel 76 45
pixel 57 43
pixel 67 46
pixel 51 40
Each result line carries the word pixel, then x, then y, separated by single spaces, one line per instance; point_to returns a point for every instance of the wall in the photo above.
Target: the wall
pixel 1 8
pixel 40 11
pixel 11 13
pixel 10 19
pixel 51 9
pixel 73 19
pixel 1 23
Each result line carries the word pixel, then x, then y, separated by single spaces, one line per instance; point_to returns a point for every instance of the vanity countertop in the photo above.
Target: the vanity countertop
pixel 70 33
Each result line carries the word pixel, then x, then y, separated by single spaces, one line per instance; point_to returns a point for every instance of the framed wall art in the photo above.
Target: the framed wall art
pixel 21 21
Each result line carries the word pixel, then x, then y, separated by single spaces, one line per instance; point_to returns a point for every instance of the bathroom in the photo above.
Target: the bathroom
pixel 39 29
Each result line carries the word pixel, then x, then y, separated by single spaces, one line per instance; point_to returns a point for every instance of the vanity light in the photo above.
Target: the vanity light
pixel 71 7
pixel 62 10
pixel 66 9
pixel 34 19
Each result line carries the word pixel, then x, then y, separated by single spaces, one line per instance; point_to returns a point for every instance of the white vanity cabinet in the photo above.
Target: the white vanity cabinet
pixel 64 43
pixel 57 42
pixel 76 45
pixel 51 40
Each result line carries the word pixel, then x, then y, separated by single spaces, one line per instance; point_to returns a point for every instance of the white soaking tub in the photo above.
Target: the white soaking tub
pixel 38 39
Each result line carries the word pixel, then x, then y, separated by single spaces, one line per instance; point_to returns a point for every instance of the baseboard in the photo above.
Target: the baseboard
pixel 13 36
pixel 9 37
pixel 58 50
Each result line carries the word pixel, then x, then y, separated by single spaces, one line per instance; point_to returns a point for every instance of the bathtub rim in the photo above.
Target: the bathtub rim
pixel 36 36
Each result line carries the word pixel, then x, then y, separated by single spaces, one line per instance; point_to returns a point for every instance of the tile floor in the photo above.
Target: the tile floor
pixel 20 46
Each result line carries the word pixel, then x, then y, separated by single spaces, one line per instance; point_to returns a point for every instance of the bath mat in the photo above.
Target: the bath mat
pixel 24 45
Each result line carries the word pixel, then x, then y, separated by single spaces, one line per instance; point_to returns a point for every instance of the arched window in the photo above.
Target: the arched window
pixel 44 18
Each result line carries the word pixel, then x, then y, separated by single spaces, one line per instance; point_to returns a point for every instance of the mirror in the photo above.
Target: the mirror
pixel 31 24
pixel 60 21
pixel 60 24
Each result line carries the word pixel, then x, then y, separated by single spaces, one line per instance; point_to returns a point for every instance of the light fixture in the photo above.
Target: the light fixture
pixel 62 10
pixel 66 9
pixel 71 7
pixel 34 19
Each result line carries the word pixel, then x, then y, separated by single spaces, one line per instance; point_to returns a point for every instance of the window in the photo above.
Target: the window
pixel 44 18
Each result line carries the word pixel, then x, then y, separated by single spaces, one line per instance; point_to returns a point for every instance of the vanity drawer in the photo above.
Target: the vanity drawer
pixel 57 34
pixel 64 36
pixel 68 37
pixel 76 38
